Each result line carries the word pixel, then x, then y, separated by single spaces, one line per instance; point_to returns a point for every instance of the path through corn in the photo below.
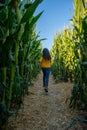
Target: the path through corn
pixel 45 111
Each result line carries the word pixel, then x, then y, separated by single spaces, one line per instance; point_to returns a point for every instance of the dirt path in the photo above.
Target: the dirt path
pixel 45 111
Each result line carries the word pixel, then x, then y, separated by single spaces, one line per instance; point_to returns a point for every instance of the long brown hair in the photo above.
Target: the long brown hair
pixel 46 54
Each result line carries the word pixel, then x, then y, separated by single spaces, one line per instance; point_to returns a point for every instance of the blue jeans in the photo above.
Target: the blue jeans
pixel 46 73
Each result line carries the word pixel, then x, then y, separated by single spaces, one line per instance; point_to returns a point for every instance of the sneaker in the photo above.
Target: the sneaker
pixel 46 90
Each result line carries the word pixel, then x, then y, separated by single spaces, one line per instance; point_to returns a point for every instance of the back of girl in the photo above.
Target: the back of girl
pixel 45 60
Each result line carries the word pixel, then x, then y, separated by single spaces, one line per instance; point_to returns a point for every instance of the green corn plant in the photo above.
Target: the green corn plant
pixel 4 60
pixel 3 33
pixel 26 36
pixel 27 40
pixel 70 52
pixel 5 47
pixel 79 93
pixel 14 40
pixel 4 82
pixel 16 47
pixel 63 56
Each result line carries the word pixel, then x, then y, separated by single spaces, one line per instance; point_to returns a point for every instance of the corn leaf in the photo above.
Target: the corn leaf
pixel 34 19
pixel 30 11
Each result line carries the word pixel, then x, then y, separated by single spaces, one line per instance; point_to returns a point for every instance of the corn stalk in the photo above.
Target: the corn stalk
pixel 16 29
pixel 63 56
pixel 70 52
pixel 79 93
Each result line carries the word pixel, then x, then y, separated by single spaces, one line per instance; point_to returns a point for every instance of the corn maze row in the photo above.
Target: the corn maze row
pixel 69 54
pixel 20 49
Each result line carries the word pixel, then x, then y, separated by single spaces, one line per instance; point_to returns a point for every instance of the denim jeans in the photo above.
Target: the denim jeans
pixel 46 73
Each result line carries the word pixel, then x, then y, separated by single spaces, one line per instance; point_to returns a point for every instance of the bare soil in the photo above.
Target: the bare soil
pixel 43 111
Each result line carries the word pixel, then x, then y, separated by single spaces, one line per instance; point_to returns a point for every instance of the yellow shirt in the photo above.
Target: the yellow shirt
pixel 45 63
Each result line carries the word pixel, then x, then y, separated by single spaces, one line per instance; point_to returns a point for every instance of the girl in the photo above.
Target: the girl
pixel 45 60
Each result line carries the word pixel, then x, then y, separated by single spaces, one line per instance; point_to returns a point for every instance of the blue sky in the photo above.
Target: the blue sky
pixel 55 17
